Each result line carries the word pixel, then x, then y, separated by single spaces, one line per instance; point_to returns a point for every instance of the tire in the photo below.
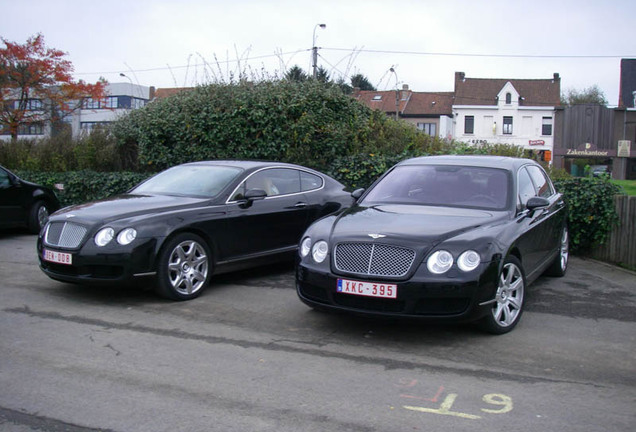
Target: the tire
pixel 560 264
pixel 38 216
pixel 184 267
pixel 510 298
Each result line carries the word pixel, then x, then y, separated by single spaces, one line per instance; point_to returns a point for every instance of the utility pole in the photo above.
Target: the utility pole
pixel 314 49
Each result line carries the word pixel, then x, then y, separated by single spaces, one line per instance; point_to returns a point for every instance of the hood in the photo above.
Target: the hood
pixel 419 225
pixel 125 206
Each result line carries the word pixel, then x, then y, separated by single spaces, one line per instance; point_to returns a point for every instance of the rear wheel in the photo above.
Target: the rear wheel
pixel 509 301
pixel 560 264
pixel 185 267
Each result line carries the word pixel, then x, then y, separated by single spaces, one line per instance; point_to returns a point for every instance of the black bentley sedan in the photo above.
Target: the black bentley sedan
pixel 455 238
pixel 187 223
pixel 24 204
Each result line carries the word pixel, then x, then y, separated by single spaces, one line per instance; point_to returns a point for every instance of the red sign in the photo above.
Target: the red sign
pixel 537 142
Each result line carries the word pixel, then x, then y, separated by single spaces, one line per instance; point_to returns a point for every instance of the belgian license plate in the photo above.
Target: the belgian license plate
pixel 368 289
pixel 57 257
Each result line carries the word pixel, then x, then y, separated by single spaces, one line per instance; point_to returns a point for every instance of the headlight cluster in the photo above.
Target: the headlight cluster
pixel 441 261
pixel 105 235
pixel 319 250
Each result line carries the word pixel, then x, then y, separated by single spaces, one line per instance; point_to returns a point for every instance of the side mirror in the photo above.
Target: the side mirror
pixel 537 203
pixel 356 194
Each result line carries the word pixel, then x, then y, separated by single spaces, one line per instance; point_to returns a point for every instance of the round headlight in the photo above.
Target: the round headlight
pixel 104 236
pixel 468 261
pixel 305 247
pixel 440 262
pixel 126 236
pixel 319 251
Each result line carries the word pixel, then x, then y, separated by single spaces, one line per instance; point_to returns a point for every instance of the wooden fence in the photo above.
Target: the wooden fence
pixel 620 246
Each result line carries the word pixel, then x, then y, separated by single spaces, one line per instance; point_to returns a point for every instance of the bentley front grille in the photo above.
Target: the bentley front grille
pixel 64 234
pixel 370 259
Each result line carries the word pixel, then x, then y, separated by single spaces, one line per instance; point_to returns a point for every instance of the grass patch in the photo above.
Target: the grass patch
pixel 629 186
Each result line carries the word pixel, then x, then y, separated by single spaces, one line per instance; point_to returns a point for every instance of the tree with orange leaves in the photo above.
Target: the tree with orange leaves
pixel 37 86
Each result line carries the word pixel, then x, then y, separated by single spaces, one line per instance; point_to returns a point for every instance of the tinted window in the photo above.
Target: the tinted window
pixel 454 186
pixel 541 182
pixel 4 179
pixel 274 181
pixel 196 180
pixel 526 187
pixel 309 181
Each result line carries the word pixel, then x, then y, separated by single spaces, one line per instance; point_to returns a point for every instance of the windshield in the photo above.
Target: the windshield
pixel 441 185
pixel 195 180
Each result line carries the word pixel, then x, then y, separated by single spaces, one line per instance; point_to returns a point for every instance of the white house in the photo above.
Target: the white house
pixel 508 111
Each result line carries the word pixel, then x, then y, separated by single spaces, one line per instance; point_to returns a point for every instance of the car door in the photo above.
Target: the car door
pixel 11 210
pixel 270 223
pixel 553 216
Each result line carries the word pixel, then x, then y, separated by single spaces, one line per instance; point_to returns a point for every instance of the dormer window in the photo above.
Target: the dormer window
pixel 508 98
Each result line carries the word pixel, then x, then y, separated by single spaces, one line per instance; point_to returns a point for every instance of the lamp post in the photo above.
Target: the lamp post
pixel 397 94
pixel 131 87
pixel 314 49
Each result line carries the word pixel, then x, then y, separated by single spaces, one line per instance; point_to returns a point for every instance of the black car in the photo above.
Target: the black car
pixel 24 204
pixel 188 222
pixel 455 238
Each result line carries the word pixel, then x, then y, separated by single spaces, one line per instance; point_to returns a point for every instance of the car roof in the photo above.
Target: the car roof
pixel 502 162
pixel 246 164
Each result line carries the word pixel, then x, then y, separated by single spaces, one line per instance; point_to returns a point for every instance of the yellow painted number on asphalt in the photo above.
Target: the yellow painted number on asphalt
pixel 497 399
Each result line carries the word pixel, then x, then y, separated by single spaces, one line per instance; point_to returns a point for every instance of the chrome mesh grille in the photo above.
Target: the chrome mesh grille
pixel 371 259
pixel 64 234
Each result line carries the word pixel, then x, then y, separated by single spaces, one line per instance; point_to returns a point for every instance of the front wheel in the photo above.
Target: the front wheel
pixel 185 267
pixel 509 300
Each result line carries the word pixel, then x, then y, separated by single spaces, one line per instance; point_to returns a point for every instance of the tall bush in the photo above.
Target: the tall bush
pixel 592 212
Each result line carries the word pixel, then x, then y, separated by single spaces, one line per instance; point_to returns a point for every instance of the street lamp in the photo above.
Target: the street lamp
pixel 397 94
pixel 314 54
pixel 131 87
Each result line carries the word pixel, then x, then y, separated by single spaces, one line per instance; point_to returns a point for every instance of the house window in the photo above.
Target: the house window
pixel 31 129
pixel 377 97
pixel 112 102
pixel 546 128
pixel 469 124
pixel 507 125
pixel 508 98
pixel 34 105
pixel 428 128
pixel 90 103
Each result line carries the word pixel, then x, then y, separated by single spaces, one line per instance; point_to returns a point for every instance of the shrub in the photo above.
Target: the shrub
pixel 592 212
pixel 83 186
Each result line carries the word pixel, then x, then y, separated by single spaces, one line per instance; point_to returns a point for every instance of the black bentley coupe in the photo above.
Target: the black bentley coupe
pixel 455 238
pixel 187 223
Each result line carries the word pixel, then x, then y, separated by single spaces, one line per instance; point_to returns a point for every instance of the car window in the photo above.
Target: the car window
pixel 4 179
pixel 526 187
pixel 454 186
pixel 541 182
pixel 274 181
pixel 195 180
pixel 309 181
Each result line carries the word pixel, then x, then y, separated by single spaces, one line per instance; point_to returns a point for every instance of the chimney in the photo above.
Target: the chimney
pixel 556 77
pixel 405 87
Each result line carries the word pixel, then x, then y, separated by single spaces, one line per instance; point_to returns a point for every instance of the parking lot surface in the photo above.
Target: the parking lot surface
pixel 249 356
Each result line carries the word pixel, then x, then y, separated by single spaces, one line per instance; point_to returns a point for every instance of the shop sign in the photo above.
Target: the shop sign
pixel 587 149
pixel 536 142
pixel 624 148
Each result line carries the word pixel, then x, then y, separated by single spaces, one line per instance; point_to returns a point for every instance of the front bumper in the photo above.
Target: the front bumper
pixel 454 297
pixel 111 264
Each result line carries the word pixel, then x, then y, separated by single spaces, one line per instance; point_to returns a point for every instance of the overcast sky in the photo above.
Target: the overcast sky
pixel 188 42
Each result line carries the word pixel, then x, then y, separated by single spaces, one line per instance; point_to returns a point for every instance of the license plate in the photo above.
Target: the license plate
pixel 368 289
pixel 57 257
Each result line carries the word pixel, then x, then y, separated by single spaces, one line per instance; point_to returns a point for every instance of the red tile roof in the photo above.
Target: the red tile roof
pixel 411 103
pixel 484 91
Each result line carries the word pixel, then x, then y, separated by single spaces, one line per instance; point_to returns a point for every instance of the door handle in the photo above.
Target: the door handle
pixel 300 205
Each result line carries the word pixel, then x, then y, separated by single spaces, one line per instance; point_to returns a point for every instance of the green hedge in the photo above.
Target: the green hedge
pixel 83 186
pixel 592 212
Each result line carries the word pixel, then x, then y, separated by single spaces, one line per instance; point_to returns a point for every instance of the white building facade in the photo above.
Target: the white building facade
pixel 517 112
